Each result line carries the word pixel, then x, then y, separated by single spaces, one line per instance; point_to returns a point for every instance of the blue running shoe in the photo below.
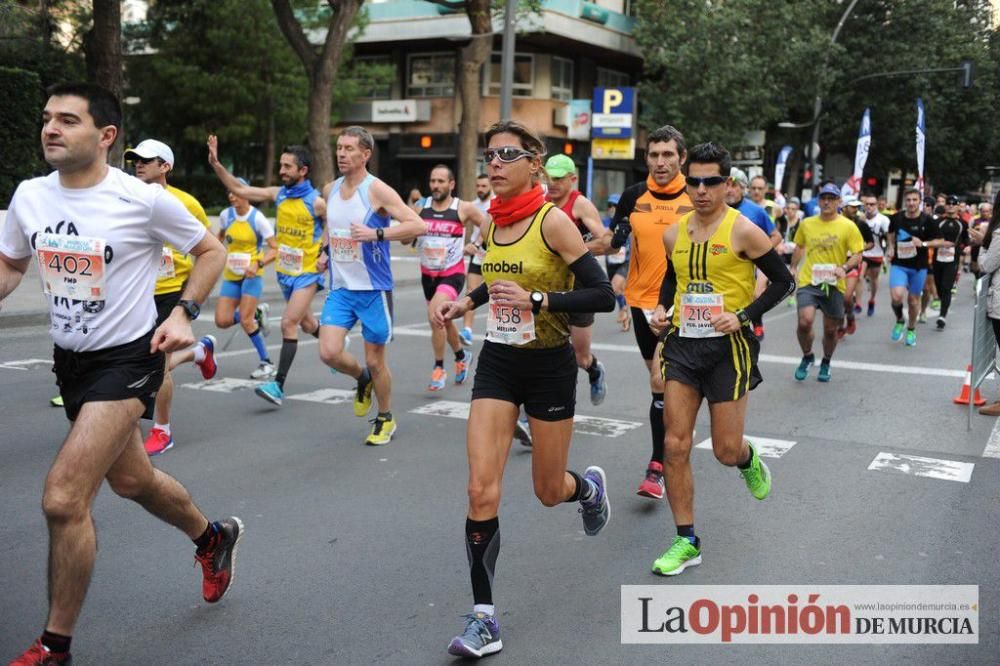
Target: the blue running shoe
pixel 824 372
pixel 271 392
pixel 480 638
pixel 462 367
pixel 596 510
pixel 465 335
pixel 871 308
pixel 897 331
pixel 802 371
pixel 599 387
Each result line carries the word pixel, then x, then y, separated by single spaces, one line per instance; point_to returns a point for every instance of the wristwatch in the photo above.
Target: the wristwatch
pixel 743 317
pixel 536 301
pixel 380 234
pixel 191 309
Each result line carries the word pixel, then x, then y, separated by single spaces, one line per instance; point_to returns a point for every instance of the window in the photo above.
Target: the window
pixel 374 75
pixel 524 75
pixel 430 75
pixel 562 79
pixel 610 78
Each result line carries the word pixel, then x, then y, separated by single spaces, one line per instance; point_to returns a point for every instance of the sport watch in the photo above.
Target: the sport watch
pixel 743 317
pixel 536 301
pixel 191 309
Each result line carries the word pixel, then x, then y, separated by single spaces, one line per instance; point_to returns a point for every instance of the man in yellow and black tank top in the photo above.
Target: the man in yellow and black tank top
pixel 710 351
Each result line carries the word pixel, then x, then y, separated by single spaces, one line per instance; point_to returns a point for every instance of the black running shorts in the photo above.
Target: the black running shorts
pixel 116 373
pixel 723 369
pixel 644 335
pixel 615 269
pixel 543 380
pixel 165 304
pixel 449 284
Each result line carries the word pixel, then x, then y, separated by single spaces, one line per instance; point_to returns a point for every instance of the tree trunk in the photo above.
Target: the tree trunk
pixel 471 59
pixel 103 49
pixel 270 149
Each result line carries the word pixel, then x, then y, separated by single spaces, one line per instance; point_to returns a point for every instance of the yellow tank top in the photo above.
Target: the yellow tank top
pixel 297 231
pixel 529 262
pixel 240 239
pixel 174 266
pixel 712 267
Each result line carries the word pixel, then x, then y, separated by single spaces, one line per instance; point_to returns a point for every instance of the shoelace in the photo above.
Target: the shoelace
pixel 377 425
pixel 476 627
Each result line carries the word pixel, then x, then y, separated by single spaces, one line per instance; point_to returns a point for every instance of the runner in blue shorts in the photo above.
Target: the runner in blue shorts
pixel 911 232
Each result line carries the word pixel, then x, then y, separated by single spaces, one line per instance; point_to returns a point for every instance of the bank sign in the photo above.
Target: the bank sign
pixel 614 113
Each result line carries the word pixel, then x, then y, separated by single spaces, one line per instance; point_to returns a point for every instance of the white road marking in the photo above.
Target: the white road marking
pixel 766 447
pixel 328 396
pixel 582 425
pixel 26 364
pixel 224 385
pixel 932 468
pixel 993 443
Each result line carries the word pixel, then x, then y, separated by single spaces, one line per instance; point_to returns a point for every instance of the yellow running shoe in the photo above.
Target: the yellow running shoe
pixel 363 396
pixel 383 428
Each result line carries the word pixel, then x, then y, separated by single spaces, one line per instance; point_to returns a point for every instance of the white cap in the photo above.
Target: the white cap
pixel 151 148
pixel 853 201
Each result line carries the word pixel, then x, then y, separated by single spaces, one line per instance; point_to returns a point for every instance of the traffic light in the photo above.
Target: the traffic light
pixel 968 73
pixel 807 175
pixel 819 173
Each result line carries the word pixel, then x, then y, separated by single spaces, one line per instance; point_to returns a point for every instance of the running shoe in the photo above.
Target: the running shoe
pixel 596 510
pixel 383 428
pixel 465 336
pixel 652 486
pixel 208 365
pixel 261 315
pixel 922 317
pixel 681 555
pixel 911 337
pixel 824 372
pixel 462 368
pixel 857 307
pixel 936 304
pixel 271 392
pixel 871 308
pixel 158 442
pixel 56 400
pixel 802 371
pixel 439 378
pixel 852 326
pixel 954 290
pixel 757 476
pixel 264 371
pixel 480 637
pixel 897 331
pixel 599 387
pixel 522 432
pixel 363 394
pixel 39 655
pixel 941 323
pixel 758 331
pixel 218 560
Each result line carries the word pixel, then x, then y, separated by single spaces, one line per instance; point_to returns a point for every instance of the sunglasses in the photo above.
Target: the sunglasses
pixel 707 181
pixel 145 160
pixel 507 154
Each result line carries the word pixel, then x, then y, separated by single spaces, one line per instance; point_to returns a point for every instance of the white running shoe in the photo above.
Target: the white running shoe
pixel 264 371
pixel 261 315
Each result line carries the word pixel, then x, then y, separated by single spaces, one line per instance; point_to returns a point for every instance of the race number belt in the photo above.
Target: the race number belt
pixel 824 274
pixel 290 260
pixel 906 250
pixel 71 266
pixel 166 270
pixel 238 262
pixel 945 255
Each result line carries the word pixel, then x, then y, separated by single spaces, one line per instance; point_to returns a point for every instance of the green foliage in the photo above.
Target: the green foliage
pixel 28 40
pixel 19 115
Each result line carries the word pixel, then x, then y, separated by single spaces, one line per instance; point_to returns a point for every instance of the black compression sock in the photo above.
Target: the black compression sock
pixel 897 309
pixel 750 455
pixel 56 642
pixel 583 490
pixel 460 355
pixel 439 363
pixel 288 349
pixel 592 372
pixel 687 531
pixel 826 360
pixel 482 545
pixel 657 427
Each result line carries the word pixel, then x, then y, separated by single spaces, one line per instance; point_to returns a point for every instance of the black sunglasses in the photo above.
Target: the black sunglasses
pixel 506 154
pixel 145 160
pixel 707 181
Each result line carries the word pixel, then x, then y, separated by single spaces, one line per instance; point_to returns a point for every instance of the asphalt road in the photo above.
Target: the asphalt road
pixel 355 555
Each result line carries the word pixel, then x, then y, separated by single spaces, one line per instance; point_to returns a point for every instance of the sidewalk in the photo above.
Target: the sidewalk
pixel 28 306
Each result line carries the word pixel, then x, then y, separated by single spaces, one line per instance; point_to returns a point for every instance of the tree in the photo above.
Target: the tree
pixel 102 46
pixel 321 67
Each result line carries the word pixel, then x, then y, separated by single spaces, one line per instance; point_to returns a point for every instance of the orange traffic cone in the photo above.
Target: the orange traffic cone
pixel 963 397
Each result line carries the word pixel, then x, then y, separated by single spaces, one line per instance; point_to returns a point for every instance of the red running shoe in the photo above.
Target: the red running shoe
pixel 652 486
pixel 38 655
pixel 158 442
pixel 852 326
pixel 208 366
pixel 218 561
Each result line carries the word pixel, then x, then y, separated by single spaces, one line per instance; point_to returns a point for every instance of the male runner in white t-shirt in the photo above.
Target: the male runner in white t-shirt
pixel 97 235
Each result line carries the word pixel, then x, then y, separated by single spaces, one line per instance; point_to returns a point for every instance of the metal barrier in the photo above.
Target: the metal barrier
pixel 984 346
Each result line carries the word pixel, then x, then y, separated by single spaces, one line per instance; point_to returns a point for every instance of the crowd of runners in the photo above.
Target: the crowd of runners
pixel 694 256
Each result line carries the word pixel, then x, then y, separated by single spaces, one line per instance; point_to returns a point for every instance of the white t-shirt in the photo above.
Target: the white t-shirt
pixel 484 206
pixel 880 227
pixel 98 251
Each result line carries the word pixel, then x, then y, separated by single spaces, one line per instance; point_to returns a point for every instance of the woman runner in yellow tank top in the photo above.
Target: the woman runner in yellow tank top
pixel 535 256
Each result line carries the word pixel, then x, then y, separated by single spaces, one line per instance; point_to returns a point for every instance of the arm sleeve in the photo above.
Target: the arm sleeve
pixel 866 233
pixel 170 222
pixel 668 288
pixel 593 292
pixel 781 285
pixel 626 204
pixel 479 295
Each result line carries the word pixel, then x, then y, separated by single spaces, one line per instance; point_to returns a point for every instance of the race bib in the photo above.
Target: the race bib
pixel 166 265
pixel 434 253
pixel 648 314
pixel 343 248
pixel 824 274
pixel 906 249
pixel 290 260
pixel 509 325
pixel 238 262
pixel 945 255
pixel 697 311
pixel 71 266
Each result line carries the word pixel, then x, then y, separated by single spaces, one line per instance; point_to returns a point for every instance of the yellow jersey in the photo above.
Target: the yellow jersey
pixel 244 239
pixel 827 246
pixel 174 266
pixel 298 230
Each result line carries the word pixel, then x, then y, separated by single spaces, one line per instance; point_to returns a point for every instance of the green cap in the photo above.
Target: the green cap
pixel 558 166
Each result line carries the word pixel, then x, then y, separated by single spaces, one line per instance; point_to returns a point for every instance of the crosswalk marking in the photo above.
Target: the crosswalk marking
pixel 766 447
pixel 327 396
pixel 582 425
pixel 26 364
pixel 932 468
pixel 224 385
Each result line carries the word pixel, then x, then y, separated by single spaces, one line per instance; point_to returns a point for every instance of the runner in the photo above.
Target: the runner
pixel 787 224
pixel 954 237
pixel 534 256
pixel 442 266
pixel 153 161
pixel 831 246
pixel 246 231
pixel 736 188
pixel 851 306
pixel 981 222
pixel 298 235
pixel 97 234
pixel 875 255
pixel 475 250
pixel 643 211
pixel 911 232
pixel 561 172
pixel 710 353
pixel 616 264
pixel 758 195
pixel 360 207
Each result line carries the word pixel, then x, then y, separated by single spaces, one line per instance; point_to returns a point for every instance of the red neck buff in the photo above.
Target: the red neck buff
pixel 673 187
pixel 516 208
